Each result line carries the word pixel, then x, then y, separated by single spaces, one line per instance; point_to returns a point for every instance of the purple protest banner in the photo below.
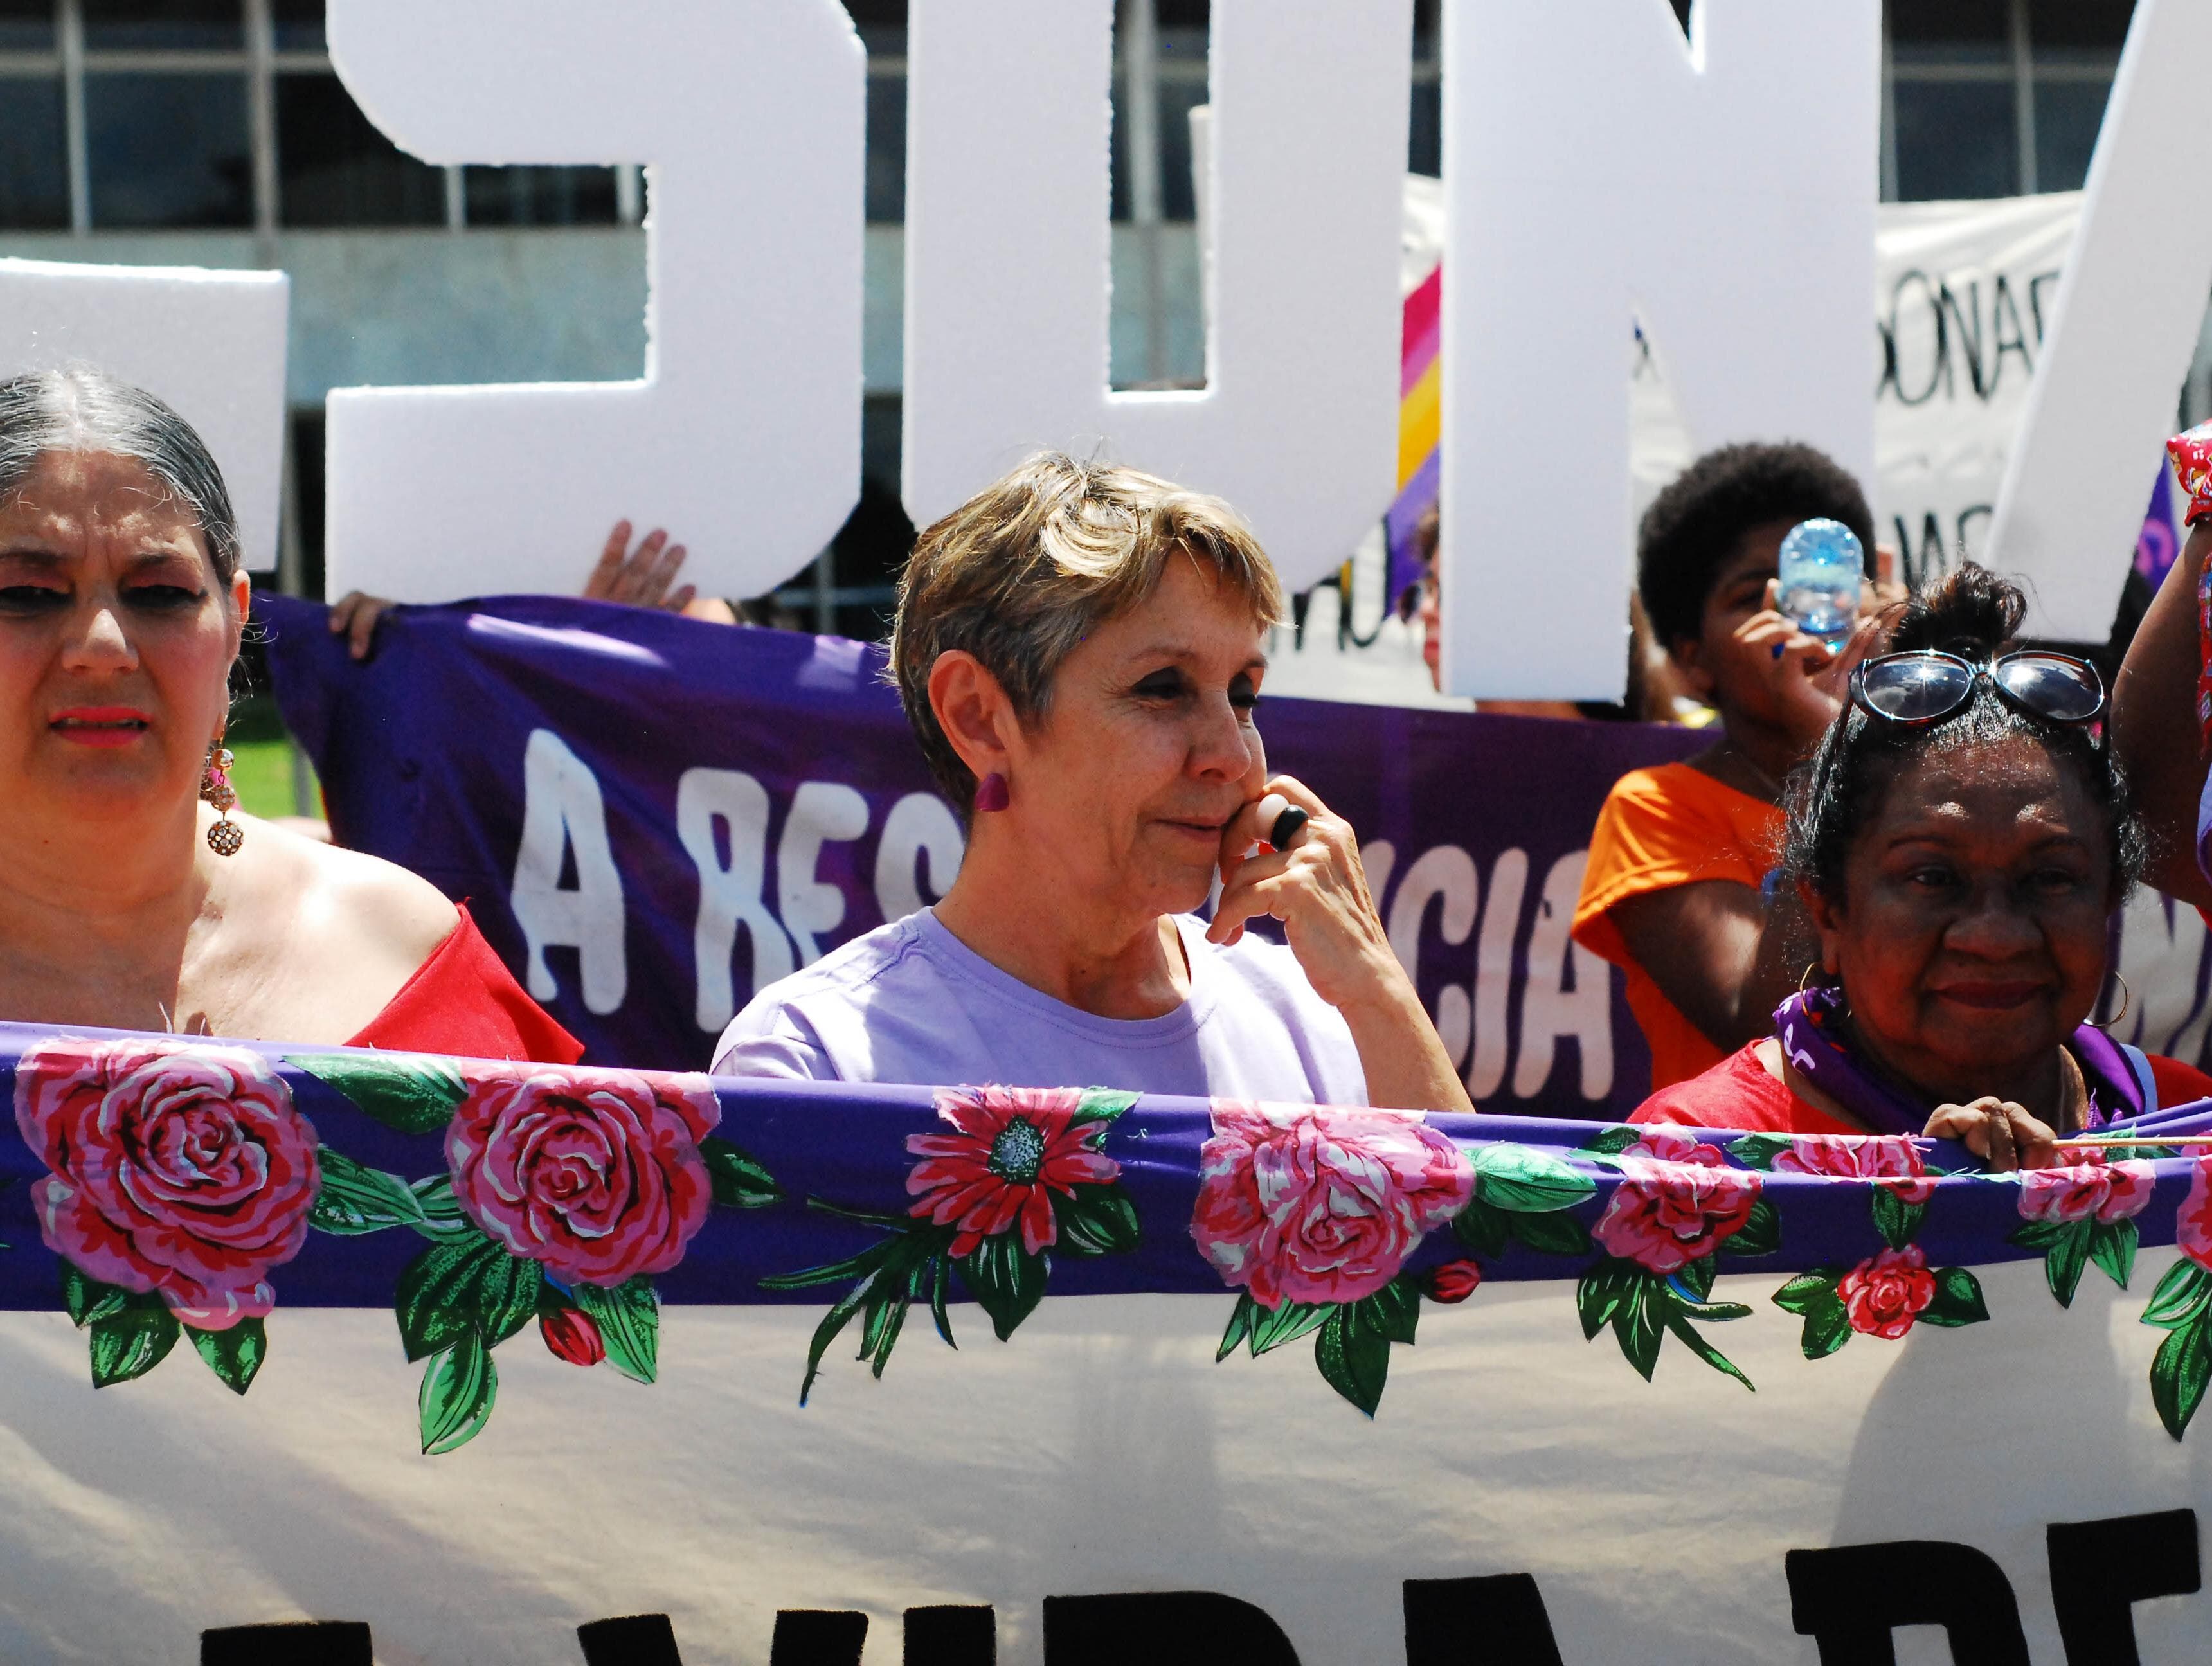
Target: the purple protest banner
pixel 651 818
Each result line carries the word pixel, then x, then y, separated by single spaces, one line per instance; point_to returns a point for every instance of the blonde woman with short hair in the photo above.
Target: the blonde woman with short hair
pixel 1080 648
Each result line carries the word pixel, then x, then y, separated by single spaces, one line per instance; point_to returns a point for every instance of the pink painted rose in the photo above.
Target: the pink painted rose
pixel 1677 1200
pixel 1884 1157
pixel 1316 1203
pixel 176 1168
pixel 2088 1187
pixel 2193 1225
pixel 1012 1148
pixel 1883 1297
pixel 596 1173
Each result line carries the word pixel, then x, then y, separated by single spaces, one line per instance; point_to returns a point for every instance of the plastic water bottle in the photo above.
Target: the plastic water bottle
pixel 1823 565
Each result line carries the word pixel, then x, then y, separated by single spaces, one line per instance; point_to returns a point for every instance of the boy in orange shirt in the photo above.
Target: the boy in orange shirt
pixel 1674 892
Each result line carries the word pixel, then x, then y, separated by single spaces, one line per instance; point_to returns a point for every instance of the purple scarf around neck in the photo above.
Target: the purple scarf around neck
pixel 1809 1027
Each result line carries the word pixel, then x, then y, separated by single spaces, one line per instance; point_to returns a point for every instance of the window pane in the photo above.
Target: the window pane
pixel 2078 23
pixel 299 24
pixel 1178 191
pixel 2067 116
pixel 334 168
pixel 127 23
pixel 886 148
pixel 27 26
pixel 532 196
pixel 33 157
pixel 1955 138
pixel 1425 146
pixel 1924 30
pixel 168 151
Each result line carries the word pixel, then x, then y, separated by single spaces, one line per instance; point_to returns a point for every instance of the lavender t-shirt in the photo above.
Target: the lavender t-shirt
pixel 909 1002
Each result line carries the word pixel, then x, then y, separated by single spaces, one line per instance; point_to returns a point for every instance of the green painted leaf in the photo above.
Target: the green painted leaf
pixel 1958 1299
pixel 1104 1104
pixel 87 1298
pixel 739 1180
pixel 1687 1333
pixel 2063 1261
pixel 1483 1229
pixel 1717 1313
pixel 1806 1291
pixel 1096 1220
pixel 839 1315
pixel 1354 1357
pixel 1272 1327
pixel 413 1092
pixel 1897 1221
pixel 1759 1150
pixel 1240 1325
pixel 1640 1321
pixel 1007 1282
pixel 1395 1310
pixel 1599 1293
pixel 443 1220
pixel 2113 1247
pixel 235 1354
pixel 355 1199
pixel 459 1387
pixel 629 1318
pixel 2178 1372
pixel 2039 1234
pixel 2181 1295
pixel 451 1289
pixel 1696 1278
pixel 1525 1180
pixel 1553 1234
pixel 1827 1327
pixel 885 1323
pixel 1614 1141
pixel 132 1341
pixel 941 1274
pixel 1759 1235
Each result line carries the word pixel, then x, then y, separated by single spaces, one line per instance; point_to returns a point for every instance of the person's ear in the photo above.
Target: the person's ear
pixel 973 711
pixel 1689 657
pixel 241 602
pixel 1828 920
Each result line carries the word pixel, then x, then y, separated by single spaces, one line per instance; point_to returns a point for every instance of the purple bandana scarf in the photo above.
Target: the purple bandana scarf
pixel 1808 1026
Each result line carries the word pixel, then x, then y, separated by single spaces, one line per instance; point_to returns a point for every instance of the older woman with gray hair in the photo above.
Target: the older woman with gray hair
pixel 135 898
pixel 1079 651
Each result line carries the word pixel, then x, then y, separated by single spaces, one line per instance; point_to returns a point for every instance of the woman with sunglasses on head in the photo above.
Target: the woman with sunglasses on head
pixel 1960 840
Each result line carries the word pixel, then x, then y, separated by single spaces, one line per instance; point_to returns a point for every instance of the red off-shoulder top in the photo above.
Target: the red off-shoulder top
pixel 464 1001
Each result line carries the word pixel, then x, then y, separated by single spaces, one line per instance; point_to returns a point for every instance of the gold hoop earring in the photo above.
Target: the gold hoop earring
pixel 2127 999
pixel 1811 967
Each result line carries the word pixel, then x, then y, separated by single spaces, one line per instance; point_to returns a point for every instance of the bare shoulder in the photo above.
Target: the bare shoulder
pixel 355 904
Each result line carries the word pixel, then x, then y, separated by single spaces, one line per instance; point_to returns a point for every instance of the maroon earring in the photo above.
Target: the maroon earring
pixel 991 793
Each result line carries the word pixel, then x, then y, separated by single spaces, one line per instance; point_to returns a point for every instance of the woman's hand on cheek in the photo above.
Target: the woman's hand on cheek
pixel 1998 1131
pixel 1318 889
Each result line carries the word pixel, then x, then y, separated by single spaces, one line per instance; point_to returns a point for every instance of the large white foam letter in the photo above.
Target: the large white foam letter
pixel 2124 322
pixel 1007 252
pixel 563 812
pixel 1599 171
pixel 752 120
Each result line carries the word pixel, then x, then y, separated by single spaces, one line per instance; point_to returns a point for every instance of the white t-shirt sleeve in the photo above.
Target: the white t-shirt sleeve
pixel 774 1042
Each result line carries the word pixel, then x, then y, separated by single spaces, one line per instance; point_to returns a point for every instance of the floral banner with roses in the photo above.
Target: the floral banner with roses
pixel 643 1318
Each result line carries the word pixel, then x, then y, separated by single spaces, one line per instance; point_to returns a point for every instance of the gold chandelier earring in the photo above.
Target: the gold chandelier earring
pixel 225 837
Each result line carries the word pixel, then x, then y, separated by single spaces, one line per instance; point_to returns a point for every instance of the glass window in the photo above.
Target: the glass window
pixel 539 196
pixel 1955 138
pixel 207 24
pixel 886 150
pixel 2067 114
pixel 168 151
pixel 27 26
pixel 334 168
pixel 33 157
pixel 2078 23
pixel 1425 132
pixel 1178 189
pixel 1950 31
pixel 299 24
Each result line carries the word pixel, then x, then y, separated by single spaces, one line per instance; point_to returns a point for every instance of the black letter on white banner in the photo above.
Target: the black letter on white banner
pixel 2098 1569
pixel 1847 1599
pixel 1162 1628
pixel 315 1643
pixel 1496 1621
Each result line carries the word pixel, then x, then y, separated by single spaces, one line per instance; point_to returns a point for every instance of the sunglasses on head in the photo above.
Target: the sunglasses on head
pixel 1926 685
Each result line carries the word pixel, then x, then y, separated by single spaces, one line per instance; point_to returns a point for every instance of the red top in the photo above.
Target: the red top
pixel 1738 1093
pixel 464 1001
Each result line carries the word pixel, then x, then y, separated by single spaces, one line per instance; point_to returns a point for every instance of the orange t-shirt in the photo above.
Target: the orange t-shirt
pixel 1660 828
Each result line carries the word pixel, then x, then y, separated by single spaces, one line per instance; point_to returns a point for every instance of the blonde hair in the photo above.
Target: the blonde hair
pixel 1021 573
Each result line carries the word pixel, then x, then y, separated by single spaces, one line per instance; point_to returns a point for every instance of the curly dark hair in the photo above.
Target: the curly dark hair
pixel 1695 527
pixel 1977 615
